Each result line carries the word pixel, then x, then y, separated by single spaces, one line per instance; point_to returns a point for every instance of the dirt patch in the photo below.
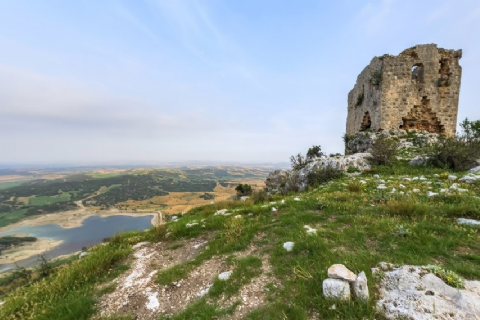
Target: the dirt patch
pixel 253 295
pixel 138 294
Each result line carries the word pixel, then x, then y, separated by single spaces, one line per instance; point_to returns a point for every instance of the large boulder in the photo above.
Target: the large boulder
pixel 336 289
pixel 412 292
pixel 276 180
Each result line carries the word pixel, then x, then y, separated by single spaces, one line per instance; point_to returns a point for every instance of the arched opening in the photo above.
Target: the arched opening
pixel 366 122
pixel 417 72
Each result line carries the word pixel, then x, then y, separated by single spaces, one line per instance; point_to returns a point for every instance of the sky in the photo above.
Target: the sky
pixel 250 81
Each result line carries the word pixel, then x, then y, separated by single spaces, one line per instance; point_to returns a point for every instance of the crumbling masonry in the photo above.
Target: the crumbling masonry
pixel 416 90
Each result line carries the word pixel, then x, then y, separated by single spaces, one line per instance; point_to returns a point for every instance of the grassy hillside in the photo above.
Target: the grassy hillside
pixel 357 224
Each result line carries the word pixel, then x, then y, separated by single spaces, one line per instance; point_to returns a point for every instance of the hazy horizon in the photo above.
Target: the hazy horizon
pixel 213 81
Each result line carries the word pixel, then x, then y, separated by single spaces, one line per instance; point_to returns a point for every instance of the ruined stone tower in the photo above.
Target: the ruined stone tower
pixel 416 90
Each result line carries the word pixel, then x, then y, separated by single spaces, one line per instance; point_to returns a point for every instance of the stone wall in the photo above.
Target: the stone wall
pixel 416 90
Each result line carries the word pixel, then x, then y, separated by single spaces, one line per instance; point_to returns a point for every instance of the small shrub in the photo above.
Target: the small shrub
pixel 359 99
pixel 354 186
pixel 457 153
pixel 322 175
pixel 406 208
pixel 260 196
pixel 449 277
pixel 243 190
pixel 383 151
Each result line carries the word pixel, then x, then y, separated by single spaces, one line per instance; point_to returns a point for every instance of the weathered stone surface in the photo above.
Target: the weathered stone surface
pixel 468 178
pixel 416 90
pixel 280 181
pixel 339 271
pixel 418 161
pixel 336 289
pixel 412 292
pixel 360 287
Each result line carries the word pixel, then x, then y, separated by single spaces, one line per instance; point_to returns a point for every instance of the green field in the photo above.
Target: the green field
pixel 40 201
pixel 6 185
pixel 11 217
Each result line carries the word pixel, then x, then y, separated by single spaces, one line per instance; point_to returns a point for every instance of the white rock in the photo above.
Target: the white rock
pixel 140 244
pixel 380 181
pixel 376 176
pixel 296 199
pixel 339 271
pixel 468 179
pixel 238 216
pixel 418 161
pixel 189 225
pixel 452 177
pixel 468 221
pixel 362 182
pixel 274 209
pixel 393 190
pixel 273 202
pixel 336 289
pixel 220 212
pixel 288 246
pixel 431 194
pixel 415 178
pixel 474 170
pixel 153 302
pixel 416 190
pixel 310 230
pixel 382 186
pixel 422 178
pixel 83 254
pixel 204 291
pixel 401 186
pixel 173 218
pixel 244 198
pixel 224 276
pixel 407 179
pixel 436 175
pixel 360 287
pixel 283 201
pixel 411 293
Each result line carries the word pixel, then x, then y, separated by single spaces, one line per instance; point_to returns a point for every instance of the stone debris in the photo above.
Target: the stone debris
pixel 83 254
pixel 238 216
pixel 296 199
pixel 412 292
pixel 401 186
pixel 431 194
pixel 382 186
pixel 468 221
pixel 274 209
pixel 244 198
pixel 418 161
pixel 407 179
pixel 341 282
pixel 339 271
pixel 288 246
pixel 452 177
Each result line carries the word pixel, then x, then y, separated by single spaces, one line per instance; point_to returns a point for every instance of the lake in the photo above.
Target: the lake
pixel 93 230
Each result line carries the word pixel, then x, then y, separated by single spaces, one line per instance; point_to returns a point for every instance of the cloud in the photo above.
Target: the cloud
pixel 27 97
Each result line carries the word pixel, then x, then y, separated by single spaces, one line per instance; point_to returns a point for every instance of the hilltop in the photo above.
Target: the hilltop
pixel 394 215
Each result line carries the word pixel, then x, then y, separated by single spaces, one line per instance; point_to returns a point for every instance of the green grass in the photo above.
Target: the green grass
pixel 357 225
pixel 11 217
pixel 43 200
pixel 9 184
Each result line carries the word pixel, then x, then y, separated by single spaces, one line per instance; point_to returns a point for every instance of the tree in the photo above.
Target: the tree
pixel 314 152
pixel 243 190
